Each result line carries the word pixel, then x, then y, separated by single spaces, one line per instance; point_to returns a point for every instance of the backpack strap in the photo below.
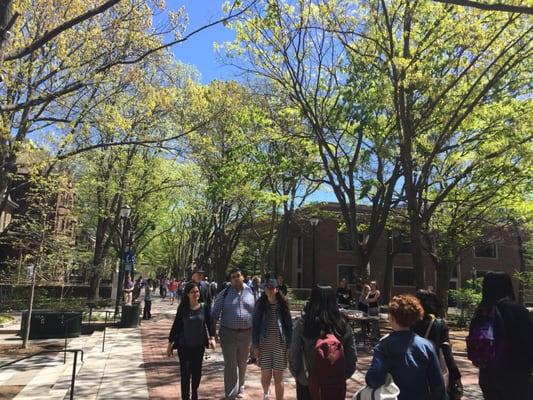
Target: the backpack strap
pixel 428 330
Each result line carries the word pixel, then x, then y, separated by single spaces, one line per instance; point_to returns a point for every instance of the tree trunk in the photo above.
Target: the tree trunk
pixel 387 279
pixel 281 245
pixel 443 270
pixel 94 287
pixel 417 251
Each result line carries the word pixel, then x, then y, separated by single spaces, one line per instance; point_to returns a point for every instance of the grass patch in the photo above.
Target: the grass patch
pixel 4 319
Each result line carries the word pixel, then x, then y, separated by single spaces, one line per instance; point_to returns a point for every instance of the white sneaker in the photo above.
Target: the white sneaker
pixel 266 396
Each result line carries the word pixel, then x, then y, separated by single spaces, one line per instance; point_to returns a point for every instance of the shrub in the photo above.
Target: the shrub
pixel 467 300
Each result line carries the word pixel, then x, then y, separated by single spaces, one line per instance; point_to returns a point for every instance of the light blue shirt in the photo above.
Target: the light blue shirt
pixel 236 308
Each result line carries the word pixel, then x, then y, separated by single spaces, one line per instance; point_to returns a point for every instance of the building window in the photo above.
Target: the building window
pixel 401 243
pixel 485 250
pixel 344 242
pixel 349 272
pixel 404 276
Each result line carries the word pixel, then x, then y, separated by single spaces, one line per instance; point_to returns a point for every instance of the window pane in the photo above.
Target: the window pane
pixel 345 243
pixel 485 250
pixel 350 273
pixel 404 276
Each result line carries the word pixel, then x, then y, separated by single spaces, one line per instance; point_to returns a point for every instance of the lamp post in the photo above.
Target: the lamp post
pixel 125 213
pixel 474 277
pixel 314 223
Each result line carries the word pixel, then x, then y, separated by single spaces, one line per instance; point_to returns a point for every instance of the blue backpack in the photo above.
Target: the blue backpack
pixel 484 348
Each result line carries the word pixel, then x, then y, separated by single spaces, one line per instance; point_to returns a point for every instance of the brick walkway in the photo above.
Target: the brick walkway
pixel 162 372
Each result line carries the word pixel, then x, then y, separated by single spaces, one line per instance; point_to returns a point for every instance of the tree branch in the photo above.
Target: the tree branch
pixel 38 43
pixel 490 7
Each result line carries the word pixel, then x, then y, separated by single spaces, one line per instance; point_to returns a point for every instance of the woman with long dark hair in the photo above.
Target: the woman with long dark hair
pixel 322 323
pixel 191 333
pixel 509 373
pixel 271 336
pixel 434 328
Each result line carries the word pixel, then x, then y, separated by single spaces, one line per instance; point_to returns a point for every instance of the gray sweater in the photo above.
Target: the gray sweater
pixel 303 347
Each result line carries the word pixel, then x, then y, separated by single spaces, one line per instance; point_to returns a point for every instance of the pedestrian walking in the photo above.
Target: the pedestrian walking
pixel 257 291
pixel 410 359
pixel 172 289
pixel 282 287
pixel 500 341
pixel 128 289
pixel 148 289
pixel 322 352
pixel 234 306
pixel 434 328
pixel 271 336
pixel 203 286
pixel 191 333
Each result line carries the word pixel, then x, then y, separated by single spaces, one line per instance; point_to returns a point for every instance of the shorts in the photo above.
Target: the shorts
pixel 172 295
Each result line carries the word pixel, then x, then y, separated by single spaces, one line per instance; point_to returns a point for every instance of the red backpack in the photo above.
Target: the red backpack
pixel 327 379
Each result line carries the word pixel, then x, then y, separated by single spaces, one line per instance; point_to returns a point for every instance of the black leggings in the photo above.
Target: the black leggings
pixel 191 371
pixel 147 309
pixel 302 392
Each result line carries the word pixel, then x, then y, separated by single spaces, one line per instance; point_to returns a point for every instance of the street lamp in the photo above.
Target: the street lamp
pixel 125 213
pixel 314 223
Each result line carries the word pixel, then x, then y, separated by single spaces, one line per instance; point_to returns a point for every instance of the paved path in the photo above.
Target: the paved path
pixel 162 372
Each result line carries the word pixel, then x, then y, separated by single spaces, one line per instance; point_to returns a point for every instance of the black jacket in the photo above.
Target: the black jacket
pixel 515 327
pixel 177 327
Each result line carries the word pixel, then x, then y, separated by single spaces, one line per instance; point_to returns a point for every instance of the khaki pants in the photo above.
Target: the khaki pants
pixel 235 349
pixel 128 297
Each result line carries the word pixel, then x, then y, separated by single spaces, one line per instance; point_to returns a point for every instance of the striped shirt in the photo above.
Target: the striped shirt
pixel 237 308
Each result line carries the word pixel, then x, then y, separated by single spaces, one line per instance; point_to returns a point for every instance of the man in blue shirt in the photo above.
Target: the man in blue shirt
pixel 234 306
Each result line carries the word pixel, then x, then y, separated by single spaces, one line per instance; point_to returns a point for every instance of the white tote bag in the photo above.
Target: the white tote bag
pixel 388 391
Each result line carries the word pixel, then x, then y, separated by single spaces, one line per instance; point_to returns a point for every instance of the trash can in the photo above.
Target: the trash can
pixel 130 315
pixel 50 324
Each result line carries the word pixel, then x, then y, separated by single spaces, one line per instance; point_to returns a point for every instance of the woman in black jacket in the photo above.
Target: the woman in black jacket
pixel 434 328
pixel 191 333
pixel 512 377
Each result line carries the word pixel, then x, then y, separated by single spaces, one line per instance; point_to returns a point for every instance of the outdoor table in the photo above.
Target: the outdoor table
pixel 358 319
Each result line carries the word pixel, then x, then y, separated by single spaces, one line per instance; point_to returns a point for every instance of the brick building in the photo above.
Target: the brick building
pixel 336 260
pixel 7 213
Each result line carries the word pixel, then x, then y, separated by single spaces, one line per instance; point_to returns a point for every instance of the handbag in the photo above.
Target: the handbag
pixel 388 391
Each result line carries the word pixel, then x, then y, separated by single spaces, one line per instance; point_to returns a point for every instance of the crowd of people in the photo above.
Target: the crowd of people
pixel 414 361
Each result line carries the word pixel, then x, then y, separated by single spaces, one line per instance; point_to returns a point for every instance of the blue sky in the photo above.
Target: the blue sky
pixel 198 50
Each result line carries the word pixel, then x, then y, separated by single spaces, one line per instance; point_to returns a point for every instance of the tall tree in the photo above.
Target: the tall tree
pixel 293 45
pixel 459 95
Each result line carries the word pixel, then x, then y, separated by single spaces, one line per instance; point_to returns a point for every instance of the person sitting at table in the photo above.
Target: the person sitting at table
pixel 362 304
pixel 344 294
pixel 373 299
